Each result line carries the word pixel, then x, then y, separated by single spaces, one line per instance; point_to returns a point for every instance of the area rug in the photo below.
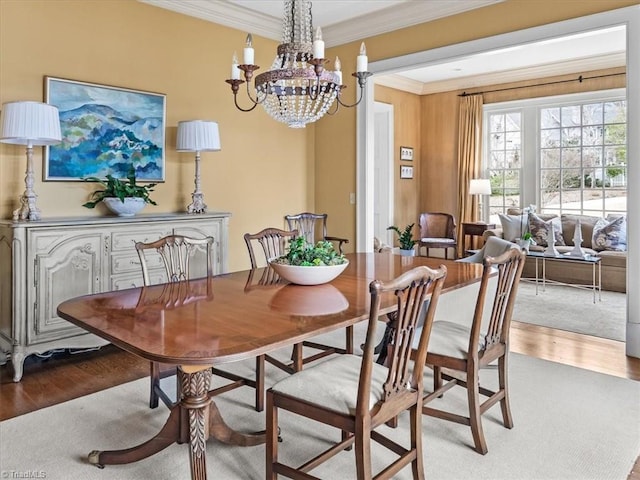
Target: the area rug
pixel 572 309
pixel 569 424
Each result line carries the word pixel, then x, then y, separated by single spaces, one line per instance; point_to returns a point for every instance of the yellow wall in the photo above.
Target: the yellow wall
pixel 265 169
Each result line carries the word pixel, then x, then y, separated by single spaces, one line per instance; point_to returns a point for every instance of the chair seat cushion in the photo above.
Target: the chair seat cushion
pixel 447 338
pixel 437 240
pixel 333 384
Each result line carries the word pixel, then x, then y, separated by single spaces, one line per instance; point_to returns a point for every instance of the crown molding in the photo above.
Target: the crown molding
pixel 576 67
pixel 382 21
pixel 227 14
pixel 394 18
pixel 399 83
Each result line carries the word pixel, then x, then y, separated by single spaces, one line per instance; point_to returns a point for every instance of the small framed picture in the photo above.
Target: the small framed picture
pixel 406 172
pixel 406 153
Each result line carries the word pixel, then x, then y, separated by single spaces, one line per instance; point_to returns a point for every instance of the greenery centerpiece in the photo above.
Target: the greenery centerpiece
pixel 305 254
pixel 405 237
pixel 130 195
pixel 309 264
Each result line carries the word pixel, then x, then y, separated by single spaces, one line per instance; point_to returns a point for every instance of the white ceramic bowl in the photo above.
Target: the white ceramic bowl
pixel 308 275
pixel 129 208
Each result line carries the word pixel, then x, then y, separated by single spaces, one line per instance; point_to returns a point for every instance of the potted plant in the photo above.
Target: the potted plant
pixel 123 197
pixel 405 239
pixel 525 241
pixel 309 264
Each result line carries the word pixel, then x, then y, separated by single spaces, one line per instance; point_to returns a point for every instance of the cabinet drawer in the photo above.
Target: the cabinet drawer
pixel 122 282
pixel 130 262
pixel 126 240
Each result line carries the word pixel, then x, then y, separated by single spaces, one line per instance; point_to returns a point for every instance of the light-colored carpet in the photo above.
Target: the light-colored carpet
pixel 569 424
pixel 572 309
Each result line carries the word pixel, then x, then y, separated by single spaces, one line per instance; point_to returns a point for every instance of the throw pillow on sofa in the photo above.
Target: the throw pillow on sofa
pixel 513 226
pixel 587 223
pixel 610 234
pixel 539 227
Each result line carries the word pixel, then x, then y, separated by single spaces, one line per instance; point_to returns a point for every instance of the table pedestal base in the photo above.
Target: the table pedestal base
pixel 193 420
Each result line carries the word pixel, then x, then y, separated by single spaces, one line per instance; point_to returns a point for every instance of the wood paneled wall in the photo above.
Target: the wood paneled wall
pixel 407 132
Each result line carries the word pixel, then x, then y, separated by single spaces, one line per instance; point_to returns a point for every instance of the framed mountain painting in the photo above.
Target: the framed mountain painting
pixel 105 131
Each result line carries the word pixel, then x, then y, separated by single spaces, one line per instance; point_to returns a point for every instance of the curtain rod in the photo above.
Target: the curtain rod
pixel 579 79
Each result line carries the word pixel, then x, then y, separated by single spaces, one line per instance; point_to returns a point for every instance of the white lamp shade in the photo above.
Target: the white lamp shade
pixel 198 136
pixel 30 123
pixel 480 186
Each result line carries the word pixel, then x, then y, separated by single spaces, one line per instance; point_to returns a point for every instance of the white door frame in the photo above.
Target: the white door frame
pixel 629 17
pixel 384 148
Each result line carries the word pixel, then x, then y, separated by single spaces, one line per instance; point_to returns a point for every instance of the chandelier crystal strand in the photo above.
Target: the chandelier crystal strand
pixel 297 90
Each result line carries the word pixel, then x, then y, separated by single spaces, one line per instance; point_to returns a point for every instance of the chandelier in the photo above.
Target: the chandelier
pixel 297 89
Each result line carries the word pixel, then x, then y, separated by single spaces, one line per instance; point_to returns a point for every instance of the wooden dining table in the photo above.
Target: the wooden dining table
pixel 227 318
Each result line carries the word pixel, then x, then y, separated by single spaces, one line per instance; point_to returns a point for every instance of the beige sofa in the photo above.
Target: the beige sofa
pixel 614 263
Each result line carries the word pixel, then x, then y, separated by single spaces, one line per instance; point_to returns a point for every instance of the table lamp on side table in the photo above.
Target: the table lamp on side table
pixel 31 124
pixel 198 136
pixel 479 187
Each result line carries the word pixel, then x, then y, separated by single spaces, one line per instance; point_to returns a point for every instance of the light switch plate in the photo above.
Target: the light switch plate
pixel 406 153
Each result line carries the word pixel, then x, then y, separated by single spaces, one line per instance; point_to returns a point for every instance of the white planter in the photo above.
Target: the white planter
pixel 128 208
pixel 524 244
pixel 315 275
pixel 408 253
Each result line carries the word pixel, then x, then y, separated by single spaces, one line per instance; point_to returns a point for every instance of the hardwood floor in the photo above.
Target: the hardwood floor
pixel 64 376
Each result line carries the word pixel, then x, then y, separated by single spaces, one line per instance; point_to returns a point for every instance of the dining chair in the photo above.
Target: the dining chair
pixel 313 227
pixel 174 253
pixel 357 395
pixel 457 352
pixel 178 254
pixel 437 230
pixel 273 242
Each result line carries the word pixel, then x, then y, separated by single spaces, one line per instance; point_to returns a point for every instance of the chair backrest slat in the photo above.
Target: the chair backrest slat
pixel 176 252
pixel 411 290
pixel 307 224
pixel 509 266
pixel 273 241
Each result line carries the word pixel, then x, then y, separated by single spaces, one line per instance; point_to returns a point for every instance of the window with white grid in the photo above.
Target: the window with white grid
pixel 565 154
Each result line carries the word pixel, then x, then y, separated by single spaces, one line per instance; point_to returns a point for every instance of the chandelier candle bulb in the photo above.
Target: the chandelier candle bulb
pixel 318 45
pixel 362 60
pixel 248 51
pixel 338 71
pixel 235 71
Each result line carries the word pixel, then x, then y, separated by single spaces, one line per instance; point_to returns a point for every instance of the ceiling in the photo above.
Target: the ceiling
pixel 578 53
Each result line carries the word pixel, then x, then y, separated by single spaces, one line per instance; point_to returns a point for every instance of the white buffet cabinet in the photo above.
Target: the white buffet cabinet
pixel 44 262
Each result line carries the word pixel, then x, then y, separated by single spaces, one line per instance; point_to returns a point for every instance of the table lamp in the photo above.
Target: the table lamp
pixel 479 187
pixel 197 136
pixel 31 124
